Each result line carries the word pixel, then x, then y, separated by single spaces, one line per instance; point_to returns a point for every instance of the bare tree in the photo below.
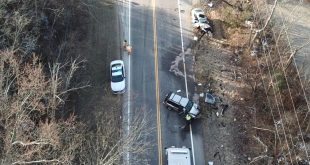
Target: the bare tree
pixel 31 133
pixel 267 21
pixel 110 144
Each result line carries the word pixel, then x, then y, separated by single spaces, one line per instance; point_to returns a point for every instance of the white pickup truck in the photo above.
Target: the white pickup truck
pixel 178 156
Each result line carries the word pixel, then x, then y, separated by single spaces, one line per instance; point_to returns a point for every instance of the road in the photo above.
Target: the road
pixel 159 32
pixel 295 15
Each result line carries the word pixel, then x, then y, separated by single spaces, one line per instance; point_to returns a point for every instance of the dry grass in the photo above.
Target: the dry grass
pixel 272 93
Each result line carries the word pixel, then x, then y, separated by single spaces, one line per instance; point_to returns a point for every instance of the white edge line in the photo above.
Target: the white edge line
pixel 185 76
pixel 129 78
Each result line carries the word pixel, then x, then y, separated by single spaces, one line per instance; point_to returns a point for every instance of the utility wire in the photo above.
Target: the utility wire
pixel 267 54
pixel 269 105
pixel 286 79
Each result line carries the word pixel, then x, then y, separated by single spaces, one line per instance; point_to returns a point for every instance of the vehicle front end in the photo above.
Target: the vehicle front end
pixel 193 113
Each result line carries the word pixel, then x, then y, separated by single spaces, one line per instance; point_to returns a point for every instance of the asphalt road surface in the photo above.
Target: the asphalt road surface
pixel 160 33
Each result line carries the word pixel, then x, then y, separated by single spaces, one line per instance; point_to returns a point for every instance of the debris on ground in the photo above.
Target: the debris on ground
pixel 209 98
pixel 224 107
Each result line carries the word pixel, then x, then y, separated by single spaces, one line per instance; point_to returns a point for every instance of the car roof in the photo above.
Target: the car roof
pixel 175 97
pixel 184 101
pixel 178 156
pixel 178 99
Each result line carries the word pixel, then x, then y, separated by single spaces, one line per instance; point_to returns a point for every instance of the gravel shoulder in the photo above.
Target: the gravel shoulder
pixel 224 133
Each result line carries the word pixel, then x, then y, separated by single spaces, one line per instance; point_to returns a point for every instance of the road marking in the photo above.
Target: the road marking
pixel 129 78
pixel 185 76
pixel 159 142
pixel 129 21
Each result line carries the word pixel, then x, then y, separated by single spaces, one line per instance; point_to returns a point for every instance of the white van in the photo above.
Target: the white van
pixel 178 156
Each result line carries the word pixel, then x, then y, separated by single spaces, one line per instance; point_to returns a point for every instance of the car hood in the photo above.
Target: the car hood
pixel 205 26
pixel 194 111
pixel 118 86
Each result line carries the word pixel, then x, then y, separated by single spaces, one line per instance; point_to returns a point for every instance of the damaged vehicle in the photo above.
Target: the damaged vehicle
pixel 182 105
pixel 200 21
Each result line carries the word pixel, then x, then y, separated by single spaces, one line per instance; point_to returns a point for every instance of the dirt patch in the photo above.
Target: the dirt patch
pixel 228 132
pixel 219 32
pixel 225 133
pixel 256 97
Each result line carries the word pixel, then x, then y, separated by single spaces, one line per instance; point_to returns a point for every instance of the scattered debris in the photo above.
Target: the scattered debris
pixel 210 99
pixel 249 23
pixel 216 154
pixel 224 107
pixel 201 95
pixel 221 87
pixel 303 162
pixel 255 48
pixel 254 52
pixel 264 44
pixel 210 4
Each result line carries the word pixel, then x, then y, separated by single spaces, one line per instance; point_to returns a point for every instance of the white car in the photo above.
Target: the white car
pixel 200 21
pixel 117 72
pixel 198 17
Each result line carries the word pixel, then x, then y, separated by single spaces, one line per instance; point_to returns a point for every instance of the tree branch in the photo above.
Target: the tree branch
pixel 37 161
pixel 31 143
pixel 264 129
pixel 266 23
pixel 73 89
pixel 263 144
pixel 259 158
pixel 289 61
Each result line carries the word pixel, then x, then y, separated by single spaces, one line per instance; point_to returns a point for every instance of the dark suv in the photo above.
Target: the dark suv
pixel 182 105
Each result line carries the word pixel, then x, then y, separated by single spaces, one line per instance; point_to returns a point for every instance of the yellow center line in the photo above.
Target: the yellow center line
pixel 160 161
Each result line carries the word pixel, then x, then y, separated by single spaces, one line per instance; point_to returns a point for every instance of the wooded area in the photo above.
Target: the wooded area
pixel 40 61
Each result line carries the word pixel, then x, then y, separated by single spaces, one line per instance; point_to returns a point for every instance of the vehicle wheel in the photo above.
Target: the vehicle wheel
pixel 169 108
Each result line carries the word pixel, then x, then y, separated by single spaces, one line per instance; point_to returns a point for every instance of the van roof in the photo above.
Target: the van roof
pixel 178 156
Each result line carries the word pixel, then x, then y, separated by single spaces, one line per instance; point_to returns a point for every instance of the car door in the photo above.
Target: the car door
pixel 173 105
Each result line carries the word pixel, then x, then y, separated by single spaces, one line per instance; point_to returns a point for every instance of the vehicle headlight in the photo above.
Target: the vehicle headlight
pixel 188 117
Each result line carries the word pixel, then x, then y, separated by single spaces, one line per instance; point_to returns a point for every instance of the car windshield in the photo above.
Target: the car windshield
pixel 201 16
pixel 117 73
pixel 117 78
pixel 189 106
pixel 204 21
